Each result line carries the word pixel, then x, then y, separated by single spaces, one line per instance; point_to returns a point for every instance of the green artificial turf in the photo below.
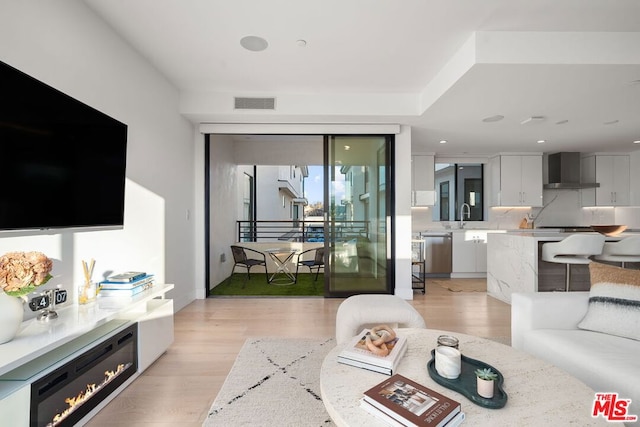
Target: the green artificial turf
pixel 258 286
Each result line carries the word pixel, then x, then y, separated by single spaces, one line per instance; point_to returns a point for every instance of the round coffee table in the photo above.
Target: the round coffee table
pixel 539 394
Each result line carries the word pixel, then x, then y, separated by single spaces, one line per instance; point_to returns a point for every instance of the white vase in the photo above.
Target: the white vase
pixel 11 315
pixel 485 388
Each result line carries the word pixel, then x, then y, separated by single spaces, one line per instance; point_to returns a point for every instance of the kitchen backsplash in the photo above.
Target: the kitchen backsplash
pixel 562 208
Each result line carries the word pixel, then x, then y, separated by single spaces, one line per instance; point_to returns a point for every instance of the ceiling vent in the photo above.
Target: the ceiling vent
pixel 254 103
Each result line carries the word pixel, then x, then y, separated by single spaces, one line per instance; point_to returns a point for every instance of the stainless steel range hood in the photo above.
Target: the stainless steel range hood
pixel 564 172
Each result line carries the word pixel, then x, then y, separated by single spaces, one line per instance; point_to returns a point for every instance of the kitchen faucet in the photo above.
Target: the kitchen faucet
pixel 462 213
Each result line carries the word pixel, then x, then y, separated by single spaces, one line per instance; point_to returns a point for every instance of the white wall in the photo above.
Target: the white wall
pixel 223 206
pixel 65 45
pixel 402 186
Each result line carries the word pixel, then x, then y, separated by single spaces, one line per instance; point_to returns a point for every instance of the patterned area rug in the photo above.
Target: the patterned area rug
pixel 276 382
pixel 273 382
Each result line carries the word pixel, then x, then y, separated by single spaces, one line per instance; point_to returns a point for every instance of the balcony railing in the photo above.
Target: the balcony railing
pixel 299 231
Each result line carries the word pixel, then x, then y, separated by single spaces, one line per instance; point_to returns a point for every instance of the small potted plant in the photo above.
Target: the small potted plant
pixel 485 378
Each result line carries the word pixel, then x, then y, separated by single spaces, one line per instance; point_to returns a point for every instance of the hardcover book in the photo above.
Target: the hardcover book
pixel 453 422
pixel 128 276
pixel 126 285
pixel 357 354
pixel 125 292
pixel 411 404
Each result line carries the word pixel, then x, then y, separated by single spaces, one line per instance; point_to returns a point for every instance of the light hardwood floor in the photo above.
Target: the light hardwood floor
pixel 179 388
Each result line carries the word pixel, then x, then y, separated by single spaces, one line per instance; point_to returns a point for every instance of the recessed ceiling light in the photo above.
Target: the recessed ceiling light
pixel 491 119
pixel 444 141
pixel 301 43
pixel 561 122
pixel 541 141
pixel 611 122
pixel 347 147
pixel 636 142
pixel 254 43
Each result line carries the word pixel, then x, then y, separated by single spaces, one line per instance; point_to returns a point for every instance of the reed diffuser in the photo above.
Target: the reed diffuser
pixel 88 289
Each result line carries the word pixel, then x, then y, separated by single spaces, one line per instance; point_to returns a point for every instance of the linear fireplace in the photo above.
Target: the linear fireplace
pixel 66 395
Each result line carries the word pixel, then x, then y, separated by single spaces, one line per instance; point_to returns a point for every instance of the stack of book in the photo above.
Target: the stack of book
pixel 401 402
pixel 126 284
pixel 357 354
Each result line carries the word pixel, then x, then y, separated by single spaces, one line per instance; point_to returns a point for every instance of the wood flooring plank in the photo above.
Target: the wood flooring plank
pixel 180 386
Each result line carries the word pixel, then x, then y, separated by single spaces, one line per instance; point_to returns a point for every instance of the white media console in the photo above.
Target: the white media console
pixel 41 347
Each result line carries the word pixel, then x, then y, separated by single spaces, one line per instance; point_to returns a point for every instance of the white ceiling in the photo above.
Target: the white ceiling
pixel 440 66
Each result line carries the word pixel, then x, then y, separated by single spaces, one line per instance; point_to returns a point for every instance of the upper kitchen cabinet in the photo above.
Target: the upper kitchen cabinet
pixel 422 180
pixel 516 180
pixel 612 172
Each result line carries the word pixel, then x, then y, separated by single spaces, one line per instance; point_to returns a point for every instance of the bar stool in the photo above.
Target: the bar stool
pixel 575 249
pixel 625 250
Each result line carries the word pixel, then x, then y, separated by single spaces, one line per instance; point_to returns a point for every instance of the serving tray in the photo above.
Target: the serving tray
pixel 466 382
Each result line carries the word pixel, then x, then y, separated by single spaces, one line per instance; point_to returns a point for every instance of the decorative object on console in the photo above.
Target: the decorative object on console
pixel 48 301
pixel 485 378
pixel 22 272
pixel 11 315
pixel 87 291
pixel 609 230
pixel 614 301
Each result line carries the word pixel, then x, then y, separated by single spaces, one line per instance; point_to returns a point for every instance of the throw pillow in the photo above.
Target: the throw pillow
pixel 614 301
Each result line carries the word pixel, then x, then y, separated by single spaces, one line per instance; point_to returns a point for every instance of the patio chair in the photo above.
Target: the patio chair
pixel 241 259
pixel 316 263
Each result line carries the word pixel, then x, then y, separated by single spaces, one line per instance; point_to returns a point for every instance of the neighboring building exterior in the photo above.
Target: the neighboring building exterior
pixel 277 193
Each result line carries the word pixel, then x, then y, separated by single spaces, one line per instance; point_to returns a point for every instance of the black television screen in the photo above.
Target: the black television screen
pixel 62 163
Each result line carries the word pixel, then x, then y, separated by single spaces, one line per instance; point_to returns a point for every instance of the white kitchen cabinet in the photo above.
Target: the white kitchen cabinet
pixel 469 253
pixel 519 181
pixel 423 180
pixel 612 172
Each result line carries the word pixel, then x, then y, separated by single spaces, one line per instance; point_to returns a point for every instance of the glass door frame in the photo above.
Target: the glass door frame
pixel 390 221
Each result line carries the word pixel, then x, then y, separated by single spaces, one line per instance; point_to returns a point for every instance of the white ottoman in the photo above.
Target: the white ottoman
pixel 361 311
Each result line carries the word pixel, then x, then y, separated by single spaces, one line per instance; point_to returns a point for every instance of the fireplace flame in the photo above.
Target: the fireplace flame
pixel 75 401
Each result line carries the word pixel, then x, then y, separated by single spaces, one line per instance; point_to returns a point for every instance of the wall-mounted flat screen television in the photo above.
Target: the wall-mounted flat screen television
pixel 62 162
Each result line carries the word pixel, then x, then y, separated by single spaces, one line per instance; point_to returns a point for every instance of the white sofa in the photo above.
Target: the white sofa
pixel 544 324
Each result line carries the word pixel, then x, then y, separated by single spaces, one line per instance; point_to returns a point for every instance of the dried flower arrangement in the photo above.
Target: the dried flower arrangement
pixel 22 272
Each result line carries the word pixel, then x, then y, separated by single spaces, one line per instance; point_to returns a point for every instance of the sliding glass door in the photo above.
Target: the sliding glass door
pixel 359 217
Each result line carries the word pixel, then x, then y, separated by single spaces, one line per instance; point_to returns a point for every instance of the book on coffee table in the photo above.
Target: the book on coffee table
pixel 411 404
pixel 453 422
pixel 357 354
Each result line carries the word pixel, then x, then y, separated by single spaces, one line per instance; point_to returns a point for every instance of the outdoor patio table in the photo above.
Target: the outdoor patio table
pixel 281 258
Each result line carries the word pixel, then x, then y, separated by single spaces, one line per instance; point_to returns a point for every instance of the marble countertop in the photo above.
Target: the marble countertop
pixel 36 338
pixel 557 236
